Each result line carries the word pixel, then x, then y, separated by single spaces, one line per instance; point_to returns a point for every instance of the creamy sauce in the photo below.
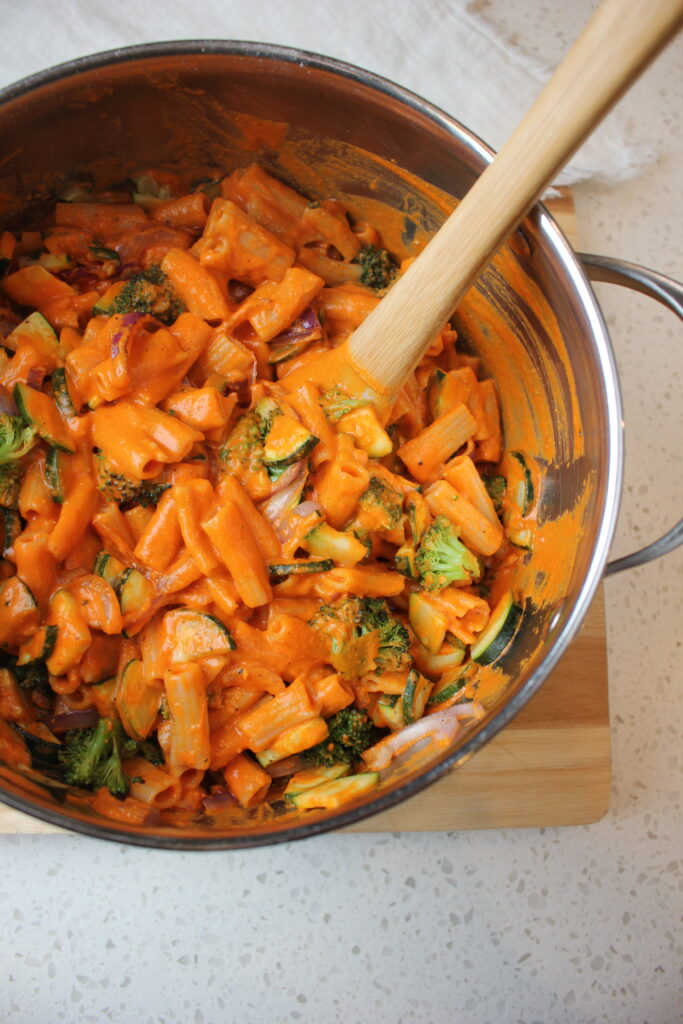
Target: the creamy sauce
pixel 536 386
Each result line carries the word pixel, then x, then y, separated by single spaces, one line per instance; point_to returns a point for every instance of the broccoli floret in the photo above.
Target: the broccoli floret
pixel 16 438
pixel 394 639
pixel 378 268
pixel 495 485
pixel 243 448
pixel 10 484
pixel 351 732
pixel 34 677
pixel 83 751
pixel 110 773
pixel 149 291
pixel 383 503
pixel 443 559
pixel 365 636
pixel 92 758
pixel 123 490
pixel 336 402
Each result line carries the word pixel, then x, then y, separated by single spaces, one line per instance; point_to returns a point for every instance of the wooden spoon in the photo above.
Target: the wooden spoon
pixel 620 40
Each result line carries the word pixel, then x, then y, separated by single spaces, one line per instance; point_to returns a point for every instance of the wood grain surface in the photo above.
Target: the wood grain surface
pixel 550 766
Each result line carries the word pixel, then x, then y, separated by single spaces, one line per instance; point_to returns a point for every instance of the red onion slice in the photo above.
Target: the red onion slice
pixel 306 508
pixel 238 291
pixel 35 376
pixel 131 246
pixel 289 476
pixel 8 321
pixel 305 328
pixel 439 729
pixel 275 507
pixel 287 766
pixel 219 801
pixel 42 700
pixel 7 404
pixel 83 718
pixel 129 319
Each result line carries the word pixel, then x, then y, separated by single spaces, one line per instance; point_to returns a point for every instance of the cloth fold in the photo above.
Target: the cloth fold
pixel 449 51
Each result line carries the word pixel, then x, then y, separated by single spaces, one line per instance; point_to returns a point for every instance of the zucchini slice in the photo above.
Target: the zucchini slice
pixel 367 430
pixel 38 332
pixel 448 687
pixel 20 611
pixel 519 499
pixel 415 696
pixel 442 393
pixel 286 350
pixel 39 647
pixel 330 795
pixel 294 740
pixel 521 536
pixel 404 560
pixel 73 636
pixel 137 700
pixel 312 777
pixel 287 441
pixel 55 261
pixel 57 465
pixel 501 629
pixel 109 568
pixel 61 394
pixel 428 622
pixel 390 710
pixel 42 744
pixel 41 412
pixel 299 567
pixel 99 252
pixel 196 635
pixel 519 483
pixel 450 655
pixel 10 525
pixel 323 541
pixel 134 591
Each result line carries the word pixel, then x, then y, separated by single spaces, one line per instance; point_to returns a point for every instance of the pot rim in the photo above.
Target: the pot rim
pixel 552 237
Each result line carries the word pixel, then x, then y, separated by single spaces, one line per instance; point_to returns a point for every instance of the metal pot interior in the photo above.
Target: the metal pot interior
pixel 329 129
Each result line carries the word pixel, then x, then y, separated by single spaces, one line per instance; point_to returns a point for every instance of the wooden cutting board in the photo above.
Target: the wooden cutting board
pixel 550 766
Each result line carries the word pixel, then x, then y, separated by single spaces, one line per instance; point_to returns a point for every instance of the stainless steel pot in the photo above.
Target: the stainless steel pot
pixel 334 127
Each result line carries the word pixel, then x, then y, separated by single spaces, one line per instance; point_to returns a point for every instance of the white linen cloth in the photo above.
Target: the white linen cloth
pixel 448 51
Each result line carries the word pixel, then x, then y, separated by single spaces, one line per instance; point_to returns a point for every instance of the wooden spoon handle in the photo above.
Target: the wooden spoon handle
pixel 619 41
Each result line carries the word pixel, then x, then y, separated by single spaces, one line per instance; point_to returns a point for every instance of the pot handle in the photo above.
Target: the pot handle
pixel 669 293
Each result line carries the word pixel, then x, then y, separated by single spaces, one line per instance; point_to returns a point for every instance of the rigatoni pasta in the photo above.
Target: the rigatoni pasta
pixel 220 585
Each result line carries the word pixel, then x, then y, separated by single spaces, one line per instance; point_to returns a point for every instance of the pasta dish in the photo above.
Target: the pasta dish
pixel 223 583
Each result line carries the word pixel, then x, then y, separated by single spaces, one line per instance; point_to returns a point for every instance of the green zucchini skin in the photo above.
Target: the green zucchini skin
pixel 109 568
pixel 302 567
pixel 409 696
pixel 299 451
pixel 54 472
pixel 42 413
pixel 134 591
pixel 61 394
pixel 10 528
pixel 44 753
pixel 49 641
pixel 500 631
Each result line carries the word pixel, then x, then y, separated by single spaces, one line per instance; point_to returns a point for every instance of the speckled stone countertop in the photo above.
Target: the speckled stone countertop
pixel 568 926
